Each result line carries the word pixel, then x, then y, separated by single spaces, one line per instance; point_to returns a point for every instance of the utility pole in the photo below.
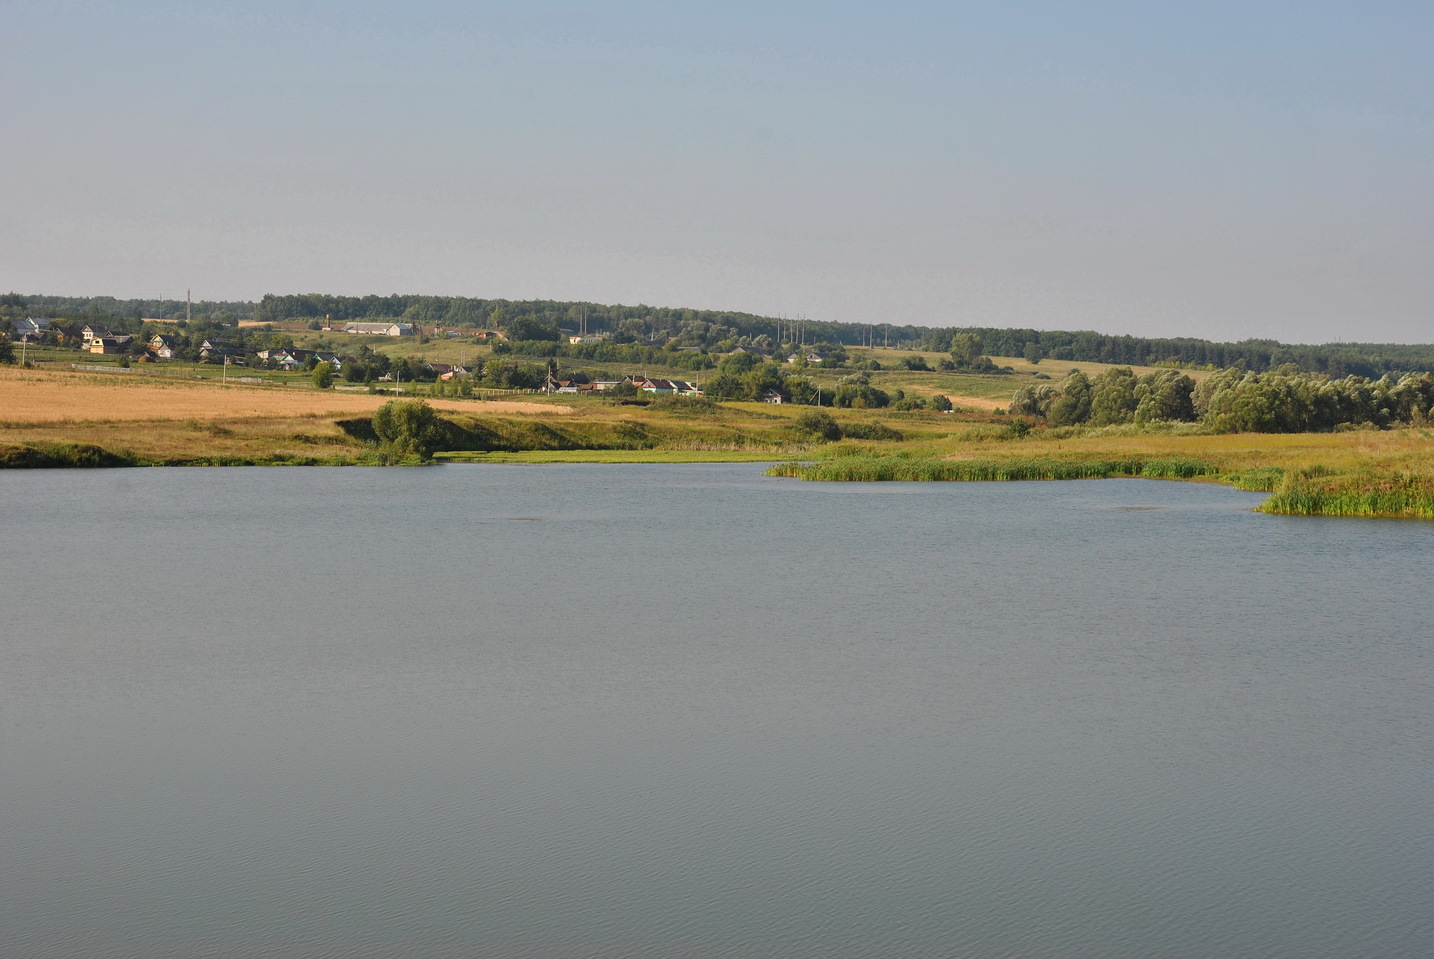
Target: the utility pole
pixel 188 302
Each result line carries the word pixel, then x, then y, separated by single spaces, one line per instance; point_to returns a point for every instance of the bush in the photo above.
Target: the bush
pixel 408 428
pixel 687 406
pixel 871 431
pixel 819 423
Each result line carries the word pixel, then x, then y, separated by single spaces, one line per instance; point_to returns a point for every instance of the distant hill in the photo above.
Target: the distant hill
pixel 714 329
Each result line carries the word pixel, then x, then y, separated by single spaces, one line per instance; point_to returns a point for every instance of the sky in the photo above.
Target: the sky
pixel 1216 170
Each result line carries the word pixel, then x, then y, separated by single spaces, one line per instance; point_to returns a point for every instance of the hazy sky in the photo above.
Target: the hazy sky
pixel 1220 170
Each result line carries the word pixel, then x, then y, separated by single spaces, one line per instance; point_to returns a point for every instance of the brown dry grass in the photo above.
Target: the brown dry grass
pixel 52 397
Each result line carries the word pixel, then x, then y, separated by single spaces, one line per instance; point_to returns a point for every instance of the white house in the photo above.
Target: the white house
pixel 382 329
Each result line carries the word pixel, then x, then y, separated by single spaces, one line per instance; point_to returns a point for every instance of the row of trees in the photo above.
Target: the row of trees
pixel 110 311
pixel 1335 359
pixel 1287 400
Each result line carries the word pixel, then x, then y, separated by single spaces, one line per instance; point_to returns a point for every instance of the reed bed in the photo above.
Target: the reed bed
pixel 1405 495
pixel 874 469
pixel 1263 479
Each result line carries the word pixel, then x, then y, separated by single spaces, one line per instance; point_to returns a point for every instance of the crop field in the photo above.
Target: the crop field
pixel 33 397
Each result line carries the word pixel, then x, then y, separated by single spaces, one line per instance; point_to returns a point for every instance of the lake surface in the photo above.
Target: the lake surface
pixel 610 711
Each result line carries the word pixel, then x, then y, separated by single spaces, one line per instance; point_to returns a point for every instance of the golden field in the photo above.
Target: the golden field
pixel 34 397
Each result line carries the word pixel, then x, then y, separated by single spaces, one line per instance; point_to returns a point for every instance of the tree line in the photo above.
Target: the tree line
pixel 543 321
pixel 112 311
pixel 1286 400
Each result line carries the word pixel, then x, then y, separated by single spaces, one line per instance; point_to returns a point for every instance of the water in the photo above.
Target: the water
pixel 593 711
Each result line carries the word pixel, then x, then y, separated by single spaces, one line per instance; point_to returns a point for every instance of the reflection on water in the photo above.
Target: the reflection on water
pixel 662 710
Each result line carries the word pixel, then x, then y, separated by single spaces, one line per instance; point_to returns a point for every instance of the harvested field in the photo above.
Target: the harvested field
pixel 43 397
pixel 971 402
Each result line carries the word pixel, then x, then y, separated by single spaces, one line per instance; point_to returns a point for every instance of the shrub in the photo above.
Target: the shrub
pixel 408 428
pixel 870 431
pixel 819 423
pixel 687 405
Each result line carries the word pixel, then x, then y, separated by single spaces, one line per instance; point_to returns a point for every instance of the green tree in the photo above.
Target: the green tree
pixel 966 349
pixel 1164 395
pixel 1073 405
pixel 324 375
pixel 1113 398
pixel 1034 400
pixel 757 381
pixel 532 328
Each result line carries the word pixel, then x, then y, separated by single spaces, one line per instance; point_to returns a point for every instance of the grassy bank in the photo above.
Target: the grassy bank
pixel 1361 473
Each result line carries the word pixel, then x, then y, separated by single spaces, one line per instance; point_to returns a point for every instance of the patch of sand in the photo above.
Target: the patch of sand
pixel 44 396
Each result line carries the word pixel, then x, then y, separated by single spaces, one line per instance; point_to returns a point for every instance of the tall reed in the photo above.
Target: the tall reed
pixel 869 469
pixel 1403 495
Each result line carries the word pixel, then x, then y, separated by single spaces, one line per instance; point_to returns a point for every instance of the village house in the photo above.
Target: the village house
pixel 30 330
pixel 575 383
pixel 93 330
pixel 286 359
pixel 382 329
pixel 111 345
pixel 68 334
pixel 662 387
pixel 447 371
pixel 219 350
pixel 162 346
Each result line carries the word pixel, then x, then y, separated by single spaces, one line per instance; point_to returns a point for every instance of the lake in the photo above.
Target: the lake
pixel 609 711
